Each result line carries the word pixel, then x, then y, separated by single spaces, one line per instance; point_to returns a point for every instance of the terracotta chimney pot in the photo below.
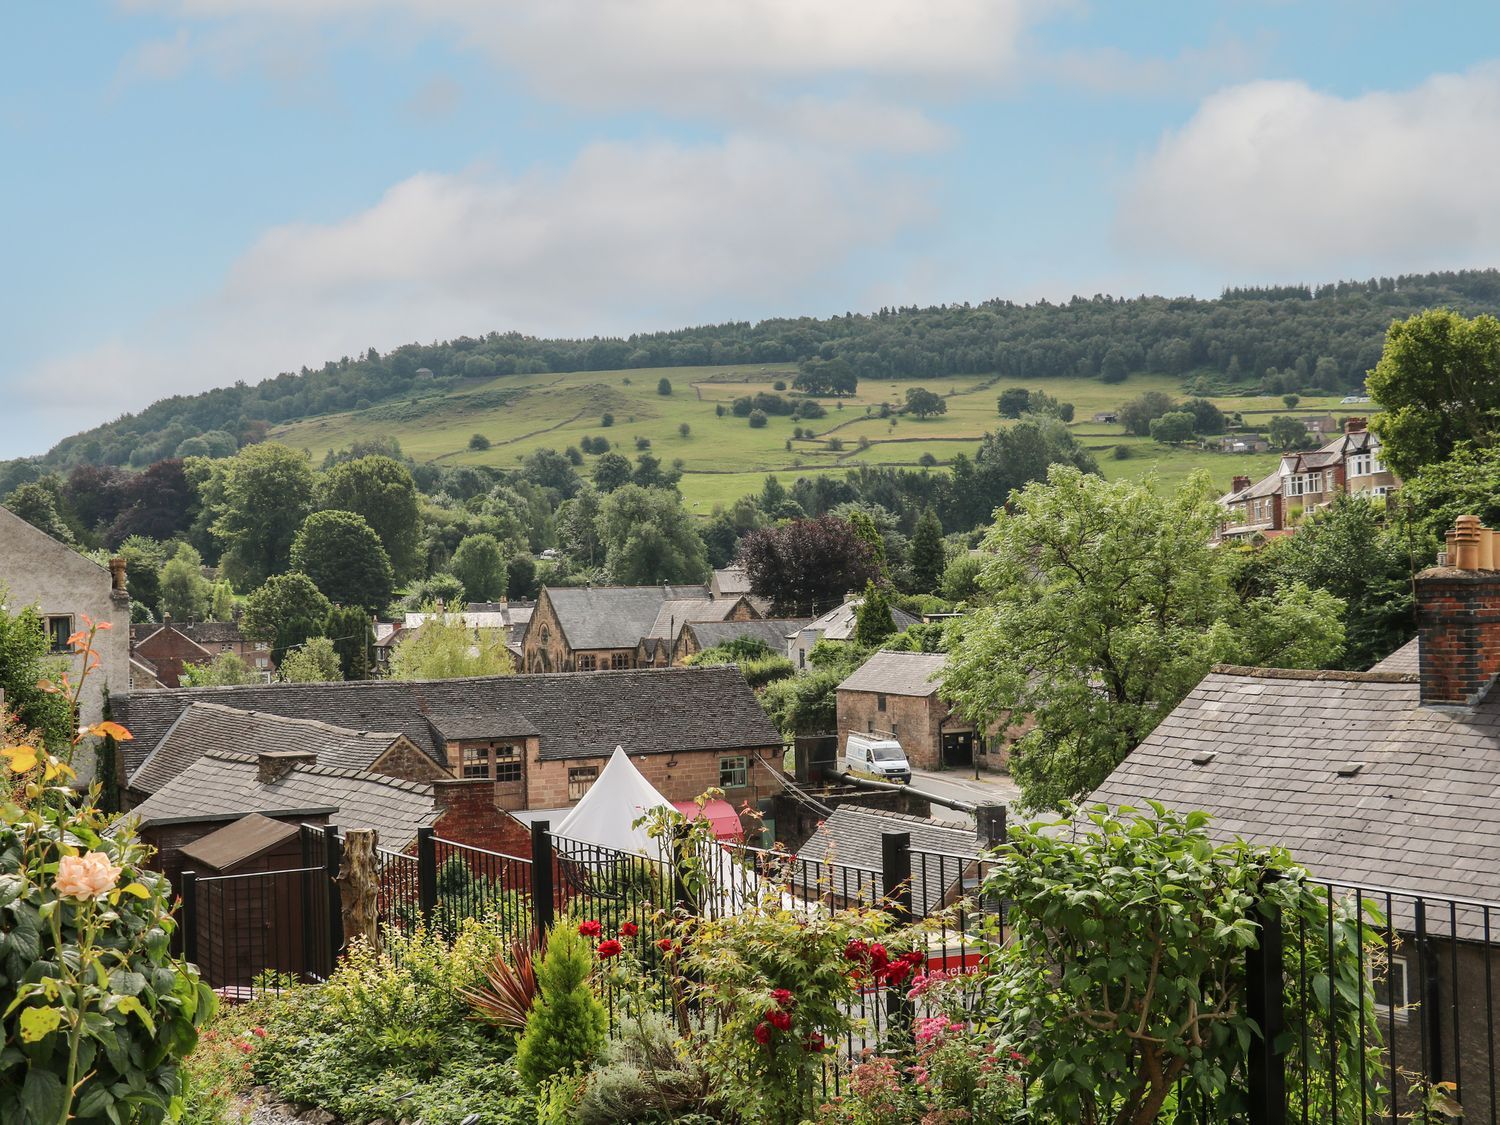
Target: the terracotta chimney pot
pixel 1467 533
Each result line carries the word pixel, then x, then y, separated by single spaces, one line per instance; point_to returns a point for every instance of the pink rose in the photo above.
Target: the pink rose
pixel 86 877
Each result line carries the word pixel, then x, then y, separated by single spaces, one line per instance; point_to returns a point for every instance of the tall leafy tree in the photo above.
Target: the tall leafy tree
pixel 806 566
pixel 649 537
pixel 348 630
pixel 144 559
pixel 926 558
pixel 873 622
pixel 286 609
pixel 185 593
pixel 1106 606
pixel 314 661
pixel 923 403
pixel 25 661
pixel 267 493
pixel 444 649
pixel 382 490
pixel 37 505
pixel 479 563
pixel 342 554
pixel 611 471
pixel 1438 383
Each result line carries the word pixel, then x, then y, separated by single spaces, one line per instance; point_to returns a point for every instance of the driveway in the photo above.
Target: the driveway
pixel 959 785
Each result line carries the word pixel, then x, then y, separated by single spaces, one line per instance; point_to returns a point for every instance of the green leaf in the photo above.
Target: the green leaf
pixel 128 1004
pixel 43 1096
pixel 38 1023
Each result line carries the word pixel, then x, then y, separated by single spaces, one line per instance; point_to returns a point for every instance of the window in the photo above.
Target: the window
pixel 500 761
pixel 1382 490
pixel 1359 465
pixel 1376 464
pixel 619 660
pixel 880 701
pixel 1388 989
pixel 546 635
pixel 262 646
pixel 734 772
pixel 802 658
pixel 59 629
pixel 587 663
pixel 580 778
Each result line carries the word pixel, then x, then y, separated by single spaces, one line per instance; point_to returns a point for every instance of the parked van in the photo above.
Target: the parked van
pixel 880 758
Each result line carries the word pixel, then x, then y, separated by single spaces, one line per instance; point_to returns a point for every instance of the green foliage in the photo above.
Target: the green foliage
pixel 285 610
pixel 184 592
pixel 479 443
pixel 381 489
pixel 1438 382
pixel 227 669
pixel 1287 432
pixel 757 663
pixel 98 1013
pixel 342 554
pixel 348 630
pixel 807 703
pixel 1175 425
pixel 37 505
pixel 961 577
pixel 267 491
pixel 1105 607
pixel 927 559
pixel 314 662
pixel 1138 414
pixel 25 660
pixel 1467 483
pixel 611 471
pixel 807 565
pixel 924 403
pixel 443 648
pixel 440 588
pixel 757 419
pixel 144 559
pixel 649 537
pixel 1122 974
pixel 479 563
pixel 873 622
pixel 567 1026
pixel 664 386
pixel 642 1079
pixel 924 636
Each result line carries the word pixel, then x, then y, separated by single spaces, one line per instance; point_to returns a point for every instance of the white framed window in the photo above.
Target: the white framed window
pixel 1382 490
pixel 734 773
pixel 1359 465
pixel 1376 464
pixel 1295 484
pixel 1390 989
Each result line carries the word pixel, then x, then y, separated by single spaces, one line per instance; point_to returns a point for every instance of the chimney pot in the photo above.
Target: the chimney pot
pixel 1467 533
pixel 1355 425
pixel 117 574
pixel 1458 617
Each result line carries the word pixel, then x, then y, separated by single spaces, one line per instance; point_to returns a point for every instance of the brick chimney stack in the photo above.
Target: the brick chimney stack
pixel 1239 484
pixel 1355 425
pixel 273 765
pixel 1458 618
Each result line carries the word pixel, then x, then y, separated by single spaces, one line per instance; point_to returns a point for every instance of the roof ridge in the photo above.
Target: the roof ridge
pixel 271 716
pixel 1316 674
pixel 326 771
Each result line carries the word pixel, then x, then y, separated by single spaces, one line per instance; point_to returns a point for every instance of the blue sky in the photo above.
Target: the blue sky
pixel 199 191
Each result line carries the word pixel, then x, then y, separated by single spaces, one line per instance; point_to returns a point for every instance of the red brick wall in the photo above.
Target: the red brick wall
pixel 167 650
pixel 467 815
pixel 1458 618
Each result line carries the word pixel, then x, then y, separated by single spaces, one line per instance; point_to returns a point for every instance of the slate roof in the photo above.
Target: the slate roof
pixel 850 839
pixel 732 580
pixel 226 786
pixel 1404 659
pixel 614 616
pixel 203 727
pixel 898 673
pixel 771 632
pixel 1270 754
pixel 582 715
pixel 838 623
pixel 673 614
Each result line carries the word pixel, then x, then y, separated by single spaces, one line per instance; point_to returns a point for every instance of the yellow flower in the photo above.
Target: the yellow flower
pixel 85 877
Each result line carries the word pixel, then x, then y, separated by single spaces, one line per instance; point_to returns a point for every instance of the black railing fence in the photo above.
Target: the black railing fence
pixel 1426 1014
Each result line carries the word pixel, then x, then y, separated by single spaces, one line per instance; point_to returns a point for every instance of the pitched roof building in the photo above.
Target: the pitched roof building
pixel 853 836
pixel 896 694
pixel 695 636
pixel 835 625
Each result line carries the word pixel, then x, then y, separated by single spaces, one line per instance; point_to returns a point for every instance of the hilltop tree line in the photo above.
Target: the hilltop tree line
pixel 1287 339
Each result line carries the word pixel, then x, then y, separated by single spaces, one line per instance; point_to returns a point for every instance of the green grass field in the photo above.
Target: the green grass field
pixel 725 458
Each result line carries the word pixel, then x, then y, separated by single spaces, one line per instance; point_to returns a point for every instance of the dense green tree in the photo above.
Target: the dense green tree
pixel 26 660
pixel 1014 401
pixel 865 527
pixel 873 622
pixel 1173 426
pixel 440 589
pixel 144 559
pixel 227 669
pixel 927 557
pixel 1288 432
pixel 1207 418
pixel 520 578
pixel 342 554
pixel 1008 459
pixel 757 419
pixel 1466 483
pixel 648 473
pixel 285 610
pixel 267 493
pixel 1138 414
pixel 37 505
pixel 578 529
pixel 479 443
pixel 611 471
pixel 348 629
pixel 567 1027
pixel 221 602
pixel 444 649
pixel 1106 605
pixel 924 403
pixel 381 489
pixel 806 566
pixel 961 577
pixel 479 563
pixel 1438 384
pixel 314 661
pixel 649 537
pixel 185 593
pixel 664 386
pixel 547 468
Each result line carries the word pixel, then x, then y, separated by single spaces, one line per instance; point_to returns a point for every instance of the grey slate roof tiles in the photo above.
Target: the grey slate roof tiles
pixel 614 616
pixel 851 836
pixel 898 673
pixel 771 632
pixel 581 715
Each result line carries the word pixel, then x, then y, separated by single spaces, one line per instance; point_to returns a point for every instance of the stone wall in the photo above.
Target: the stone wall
pixel 678 777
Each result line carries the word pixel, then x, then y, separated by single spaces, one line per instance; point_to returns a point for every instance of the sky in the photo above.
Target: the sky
pixel 194 192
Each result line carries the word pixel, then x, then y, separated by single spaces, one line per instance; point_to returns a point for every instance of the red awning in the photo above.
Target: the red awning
pixel 720 814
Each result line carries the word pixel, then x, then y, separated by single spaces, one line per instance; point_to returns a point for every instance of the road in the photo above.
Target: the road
pixel 959 785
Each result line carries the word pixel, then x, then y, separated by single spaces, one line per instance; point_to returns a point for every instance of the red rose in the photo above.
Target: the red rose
pixel 896 972
pixel 779 1019
pixel 763 1033
pixel 783 997
pixel 813 1042
pixel 856 950
pixel 878 957
pixel 258 1032
pixel 629 929
pixel 664 944
pixel 590 928
pixel 609 947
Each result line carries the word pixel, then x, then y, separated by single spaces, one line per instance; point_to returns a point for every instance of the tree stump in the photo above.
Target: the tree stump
pixel 359 887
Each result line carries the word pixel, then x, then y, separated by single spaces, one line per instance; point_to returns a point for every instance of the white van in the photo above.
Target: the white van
pixel 880 758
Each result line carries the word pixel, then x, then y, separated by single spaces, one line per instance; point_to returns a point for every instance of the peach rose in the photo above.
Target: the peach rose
pixel 89 876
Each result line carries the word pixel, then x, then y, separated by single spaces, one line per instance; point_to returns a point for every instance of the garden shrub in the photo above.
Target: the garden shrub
pixel 567 1025
pixel 642 1078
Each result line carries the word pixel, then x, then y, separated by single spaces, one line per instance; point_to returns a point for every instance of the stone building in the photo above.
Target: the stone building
pixel 695 636
pixel 66 588
pixel 165 648
pixel 895 694
pixel 836 625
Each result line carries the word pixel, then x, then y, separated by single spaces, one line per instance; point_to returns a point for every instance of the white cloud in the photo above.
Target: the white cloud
pixel 1279 178
pixel 625 237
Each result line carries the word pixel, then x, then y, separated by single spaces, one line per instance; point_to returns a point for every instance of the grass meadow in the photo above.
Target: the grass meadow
pixel 724 458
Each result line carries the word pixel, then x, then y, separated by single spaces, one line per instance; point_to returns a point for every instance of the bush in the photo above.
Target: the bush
pixel 567 1027
pixel 664 386
pixel 927 460
pixel 479 443
pixel 808 408
pixel 719 409
pixel 757 419
pixel 742 406
pixel 1122 453
pixel 779 385
pixel 606 419
pixel 642 444
pixel 836 444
